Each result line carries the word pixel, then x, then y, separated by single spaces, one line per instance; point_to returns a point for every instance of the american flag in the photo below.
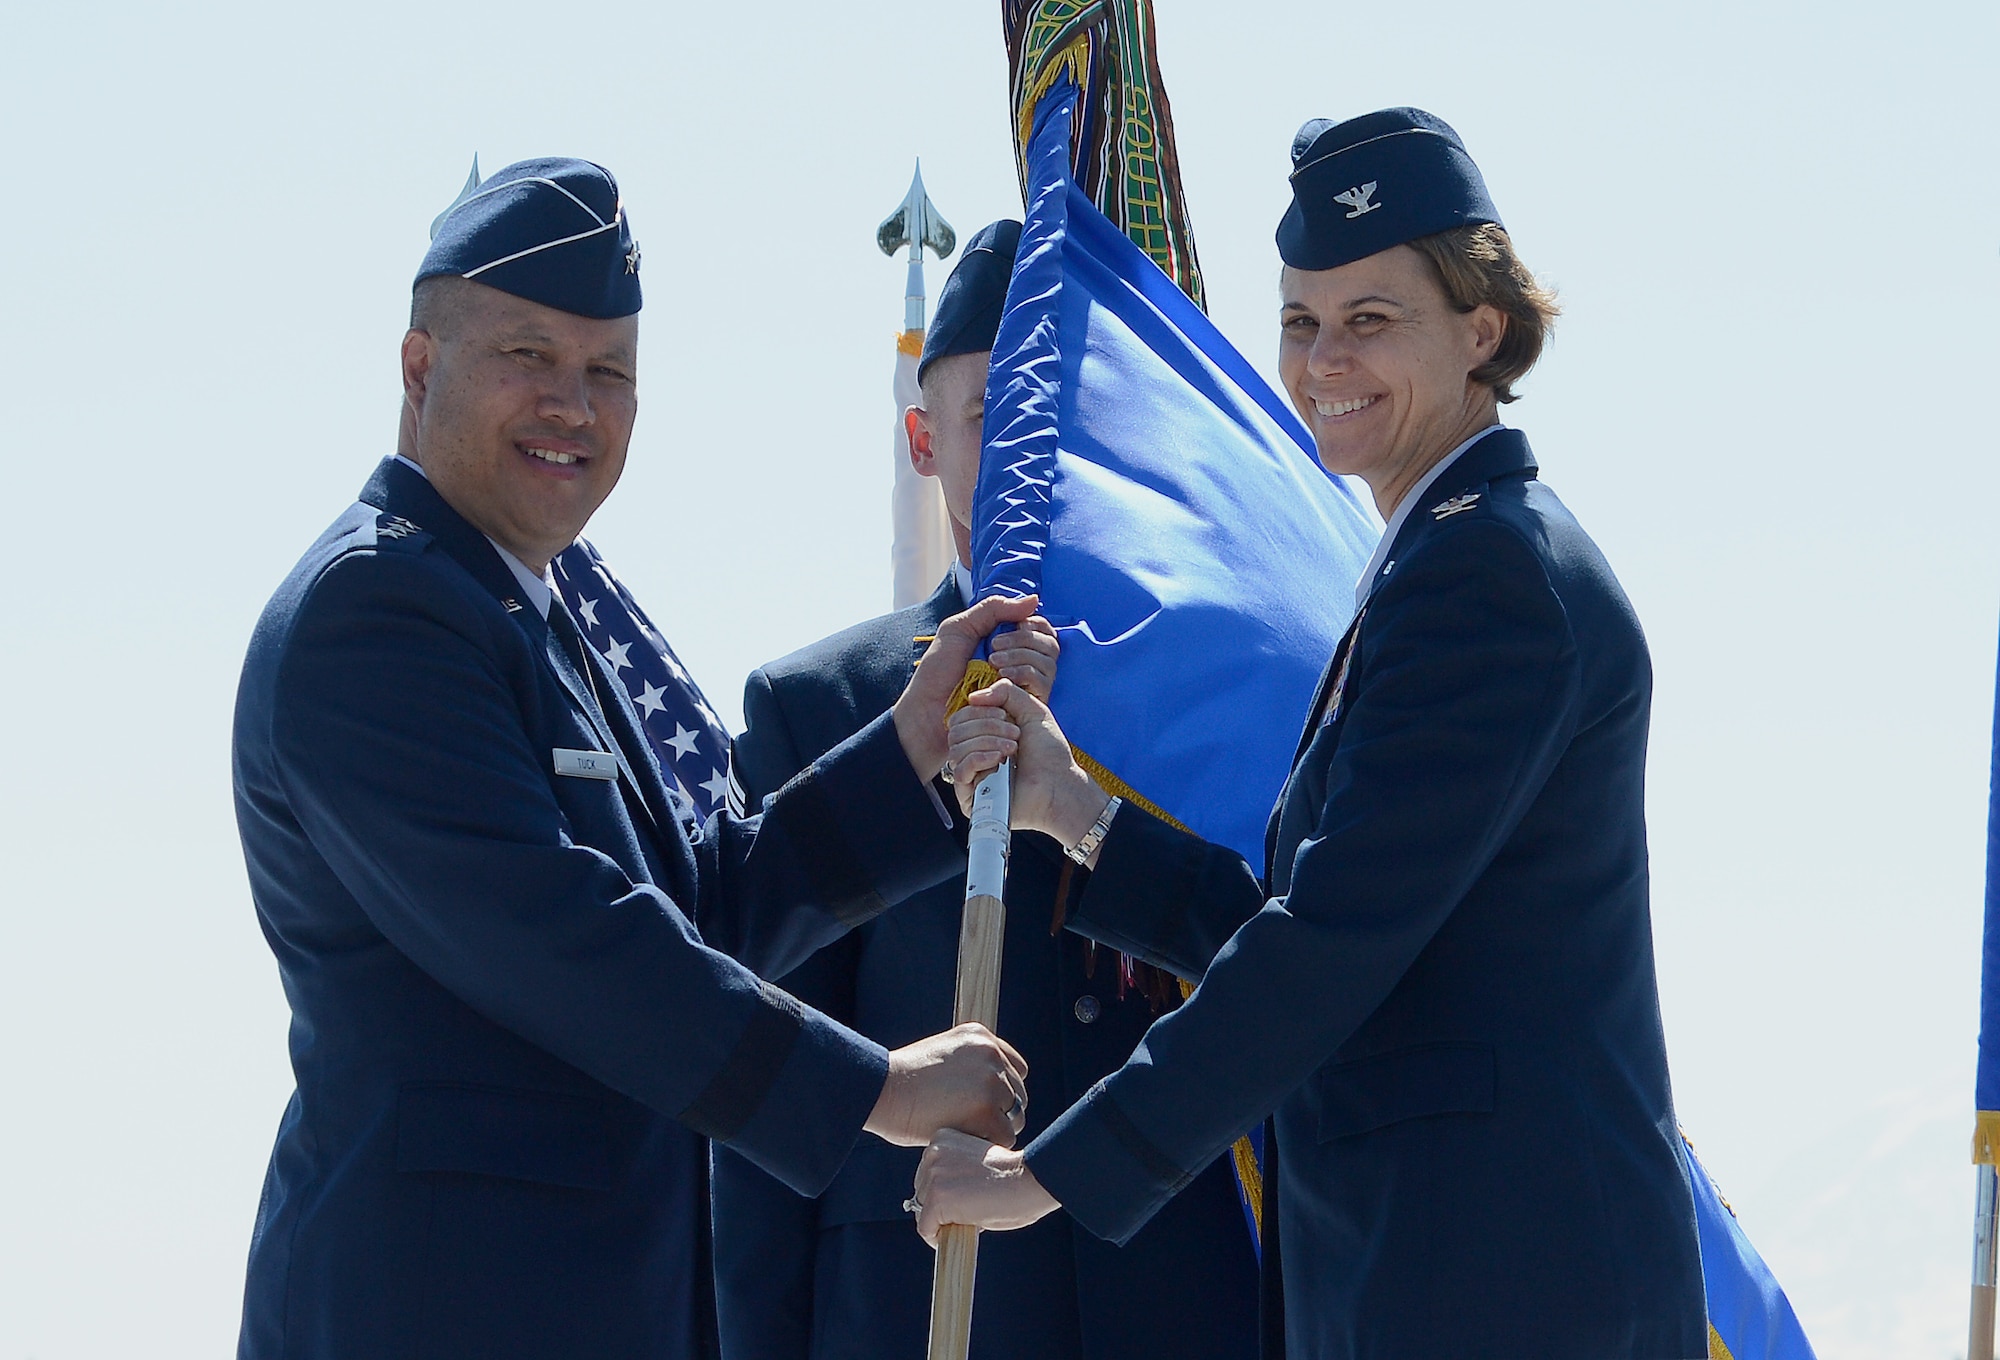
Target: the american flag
pixel 689 741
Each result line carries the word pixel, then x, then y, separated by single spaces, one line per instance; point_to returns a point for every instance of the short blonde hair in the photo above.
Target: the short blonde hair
pixel 1477 266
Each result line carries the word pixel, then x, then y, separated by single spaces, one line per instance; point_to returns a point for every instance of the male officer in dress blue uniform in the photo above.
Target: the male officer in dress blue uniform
pixel 519 970
pixel 1441 984
pixel 845 1277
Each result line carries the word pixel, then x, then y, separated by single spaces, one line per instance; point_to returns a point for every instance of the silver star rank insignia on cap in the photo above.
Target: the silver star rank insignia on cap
pixel 632 260
pixel 1456 505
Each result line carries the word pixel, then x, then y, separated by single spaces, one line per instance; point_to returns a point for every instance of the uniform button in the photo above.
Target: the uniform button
pixel 1088 1009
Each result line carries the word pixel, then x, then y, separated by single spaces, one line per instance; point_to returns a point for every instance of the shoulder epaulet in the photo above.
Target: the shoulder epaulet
pixel 391 533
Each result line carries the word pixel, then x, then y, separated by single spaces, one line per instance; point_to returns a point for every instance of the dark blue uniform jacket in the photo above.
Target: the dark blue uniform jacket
pixel 845 1277
pixel 1444 984
pixel 521 999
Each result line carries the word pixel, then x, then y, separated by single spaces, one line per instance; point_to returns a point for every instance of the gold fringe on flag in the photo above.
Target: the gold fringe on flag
pixel 1986 1138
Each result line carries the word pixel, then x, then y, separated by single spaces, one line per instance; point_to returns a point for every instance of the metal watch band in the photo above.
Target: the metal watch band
pixel 1091 839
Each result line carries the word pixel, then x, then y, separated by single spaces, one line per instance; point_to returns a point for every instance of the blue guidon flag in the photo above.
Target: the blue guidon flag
pixel 687 737
pixel 1196 560
pixel 1165 503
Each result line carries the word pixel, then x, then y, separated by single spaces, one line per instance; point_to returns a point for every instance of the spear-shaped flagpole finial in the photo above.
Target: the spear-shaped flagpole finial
pixel 916 223
pixel 921 545
pixel 471 186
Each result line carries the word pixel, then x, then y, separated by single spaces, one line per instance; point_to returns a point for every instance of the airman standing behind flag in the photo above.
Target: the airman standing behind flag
pixel 844 1277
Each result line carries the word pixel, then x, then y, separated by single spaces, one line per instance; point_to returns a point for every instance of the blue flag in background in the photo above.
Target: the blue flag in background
pixel 1749 1317
pixel 1197 562
pixel 1986 1086
pixel 1200 566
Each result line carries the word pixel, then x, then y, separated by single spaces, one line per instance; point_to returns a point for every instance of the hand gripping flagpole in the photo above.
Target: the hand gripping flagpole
pixel 978 998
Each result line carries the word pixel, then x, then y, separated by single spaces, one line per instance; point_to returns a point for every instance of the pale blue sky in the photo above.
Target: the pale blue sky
pixel 1776 230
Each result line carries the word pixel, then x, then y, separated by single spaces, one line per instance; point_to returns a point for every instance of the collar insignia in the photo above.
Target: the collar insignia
pixel 1357 199
pixel 395 526
pixel 1456 505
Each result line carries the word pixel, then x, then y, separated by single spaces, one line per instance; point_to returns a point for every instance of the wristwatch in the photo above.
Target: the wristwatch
pixel 1091 839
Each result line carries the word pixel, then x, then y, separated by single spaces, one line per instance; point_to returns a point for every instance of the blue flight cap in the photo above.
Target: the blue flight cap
pixel 1374 182
pixel 969 307
pixel 553 231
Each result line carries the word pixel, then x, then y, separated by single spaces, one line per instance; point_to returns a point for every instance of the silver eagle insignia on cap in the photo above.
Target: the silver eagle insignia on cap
pixel 1358 199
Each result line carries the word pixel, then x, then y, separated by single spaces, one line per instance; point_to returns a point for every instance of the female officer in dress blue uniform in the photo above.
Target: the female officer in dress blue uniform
pixel 1441 988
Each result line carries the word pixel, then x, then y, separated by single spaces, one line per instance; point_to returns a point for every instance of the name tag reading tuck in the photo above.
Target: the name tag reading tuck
pixel 586 764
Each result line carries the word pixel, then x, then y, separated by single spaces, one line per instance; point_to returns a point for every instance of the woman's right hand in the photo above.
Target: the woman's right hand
pixel 1052 794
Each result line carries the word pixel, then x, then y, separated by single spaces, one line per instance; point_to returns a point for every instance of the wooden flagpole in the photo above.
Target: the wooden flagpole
pixel 978 998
